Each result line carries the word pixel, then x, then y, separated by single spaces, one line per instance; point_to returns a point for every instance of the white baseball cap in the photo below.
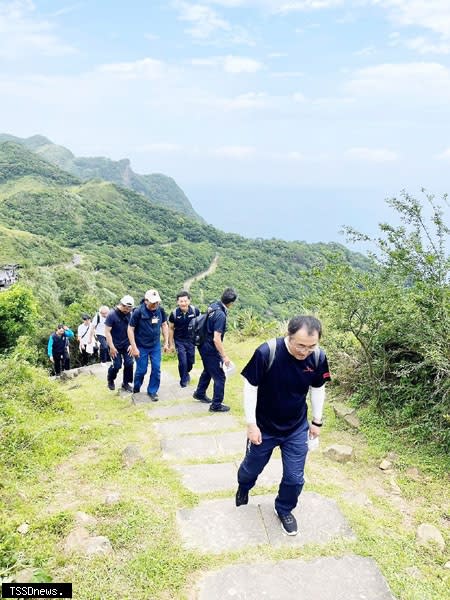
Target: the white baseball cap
pixel 127 301
pixel 152 296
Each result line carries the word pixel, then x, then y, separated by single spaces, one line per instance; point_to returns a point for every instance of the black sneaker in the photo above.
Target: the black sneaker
pixel 241 497
pixel 219 408
pixel 111 385
pixel 153 397
pixel 127 388
pixel 204 399
pixel 288 523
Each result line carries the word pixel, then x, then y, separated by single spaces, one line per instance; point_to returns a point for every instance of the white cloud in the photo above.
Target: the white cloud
pixel 424 82
pixel 147 68
pixel 23 32
pixel 377 155
pixel 235 152
pixel 230 63
pixel 251 100
pixel 445 155
pixel 424 46
pixel 431 14
pixel 367 51
pixel 161 148
pixel 304 5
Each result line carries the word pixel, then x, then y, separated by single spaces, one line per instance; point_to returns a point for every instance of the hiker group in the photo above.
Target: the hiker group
pixel 129 338
pixel 278 377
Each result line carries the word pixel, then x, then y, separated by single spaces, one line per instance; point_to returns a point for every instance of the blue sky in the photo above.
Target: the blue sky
pixel 277 117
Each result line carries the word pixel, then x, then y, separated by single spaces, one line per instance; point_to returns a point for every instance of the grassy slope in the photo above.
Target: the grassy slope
pixel 80 462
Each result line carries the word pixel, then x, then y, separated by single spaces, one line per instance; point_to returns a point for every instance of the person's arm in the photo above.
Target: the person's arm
pixel 165 332
pixel 50 348
pixel 69 333
pixel 171 332
pixel 112 348
pixel 250 400
pixel 317 402
pixel 131 337
pixel 220 348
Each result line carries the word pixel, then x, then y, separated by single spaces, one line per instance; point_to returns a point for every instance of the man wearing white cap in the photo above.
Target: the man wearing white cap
pixel 116 333
pixel 144 332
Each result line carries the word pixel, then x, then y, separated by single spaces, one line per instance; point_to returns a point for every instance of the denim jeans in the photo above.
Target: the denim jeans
pixel 154 354
pixel 186 358
pixel 212 369
pixel 294 448
pixel 121 356
pixel 104 350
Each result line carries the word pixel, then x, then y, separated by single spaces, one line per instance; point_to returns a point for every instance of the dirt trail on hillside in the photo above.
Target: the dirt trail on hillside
pixel 209 271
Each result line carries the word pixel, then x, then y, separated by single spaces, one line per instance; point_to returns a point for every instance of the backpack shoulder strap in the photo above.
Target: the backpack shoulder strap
pixel 318 355
pixel 272 343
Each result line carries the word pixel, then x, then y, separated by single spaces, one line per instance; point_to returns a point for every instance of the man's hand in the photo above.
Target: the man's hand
pixel 133 351
pixel 166 348
pixel 113 351
pixel 50 358
pixel 314 431
pixel 226 361
pixel 254 434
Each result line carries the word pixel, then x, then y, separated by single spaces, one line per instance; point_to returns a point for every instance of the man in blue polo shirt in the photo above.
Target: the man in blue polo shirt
pixel 213 353
pixel 116 333
pixel 276 385
pixel 179 335
pixel 147 322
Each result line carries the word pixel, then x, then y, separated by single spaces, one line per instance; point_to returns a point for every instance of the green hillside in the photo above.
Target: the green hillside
pixel 158 188
pixel 128 244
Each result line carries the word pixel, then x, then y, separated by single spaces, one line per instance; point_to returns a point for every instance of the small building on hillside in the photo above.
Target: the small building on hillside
pixel 9 274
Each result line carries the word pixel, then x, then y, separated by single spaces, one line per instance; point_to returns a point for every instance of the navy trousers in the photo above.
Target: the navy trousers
pixel 186 358
pixel 294 448
pixel 212 369
pixel 104 350
pixel 122 356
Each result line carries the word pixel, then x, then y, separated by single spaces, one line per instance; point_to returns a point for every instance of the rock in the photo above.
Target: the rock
pixel 85 428
pixel 24 528
pixel 24 576
pixel 81 518
pixel 75 386
pixel 112 498
pixel 339 453
pixel 447 565
pixel 352 420
pixel 414 572
pixel 341 410
pixel 385 465
pixel 427 533
pixel 131 455
pixel 115 424
pixel 81 542
pixel 22 495
pixel 414 474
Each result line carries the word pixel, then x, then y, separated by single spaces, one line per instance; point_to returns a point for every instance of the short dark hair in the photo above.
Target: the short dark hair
pixel 229 295
pixel 310 323
pixel 183 294
pixel 60 326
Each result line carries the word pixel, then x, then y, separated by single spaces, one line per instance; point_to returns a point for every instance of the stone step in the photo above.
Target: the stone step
pixel 204 446
pixel 218 526
pixel 210 422
pixel 220 477
pixel 346 578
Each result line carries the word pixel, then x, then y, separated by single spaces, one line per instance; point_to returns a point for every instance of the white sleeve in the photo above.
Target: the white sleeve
pixel 317 402
pixel 250 397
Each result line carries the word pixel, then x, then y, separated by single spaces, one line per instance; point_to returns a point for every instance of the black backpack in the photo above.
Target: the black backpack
pixel 197 328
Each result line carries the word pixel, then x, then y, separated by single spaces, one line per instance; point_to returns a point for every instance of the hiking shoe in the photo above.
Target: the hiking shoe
pixel 111 385
pixel 219 408
pixel 153 397
pixel 127 388
pixel 241 496
pixel 204 399
pixel 288 523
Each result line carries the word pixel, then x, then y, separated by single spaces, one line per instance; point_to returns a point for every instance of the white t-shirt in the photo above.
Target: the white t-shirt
pixel 99 324
pixel 83 333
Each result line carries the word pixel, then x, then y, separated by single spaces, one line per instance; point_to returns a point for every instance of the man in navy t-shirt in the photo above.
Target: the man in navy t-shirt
pixel 213 353
pixel 144 332
pixel 116 333
pixel 276 385
pixel 179 335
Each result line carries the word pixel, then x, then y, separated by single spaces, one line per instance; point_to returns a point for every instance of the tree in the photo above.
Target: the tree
pixel 18 314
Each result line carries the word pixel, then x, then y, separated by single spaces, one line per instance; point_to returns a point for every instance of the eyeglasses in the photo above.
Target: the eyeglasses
pixel 302 347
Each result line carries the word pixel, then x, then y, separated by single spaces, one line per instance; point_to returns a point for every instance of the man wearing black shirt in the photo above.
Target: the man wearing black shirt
pixel 116 333
pixel 179 336
pixel 276 385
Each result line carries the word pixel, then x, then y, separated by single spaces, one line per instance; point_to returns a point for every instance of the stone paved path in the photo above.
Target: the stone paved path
pixel 191 440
